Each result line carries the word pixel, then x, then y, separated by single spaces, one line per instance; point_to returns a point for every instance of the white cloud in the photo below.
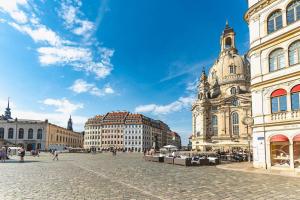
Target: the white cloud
pixel 192 86
pixel 62 105
pixel 70 13
pixel 81 86
pixel 40 33
pixel 181 103
pixel 55 118
pixel 12 8
pixel 59 118
pixel 84 28
pixel 63 55
pixel 59 51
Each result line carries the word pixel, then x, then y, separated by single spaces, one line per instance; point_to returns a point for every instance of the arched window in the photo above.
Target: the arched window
pixel 276 60
pixel 235 123
pixel 40 134
pixel 274 21
pixel 228 43
pixel 295 96
pixel 294 53
pixel 30 133
pixel 293 12
pixel 1 133
pixel 278 99
pixel 21 133
pixel 10 133
pixel 214 123
pixel 233 90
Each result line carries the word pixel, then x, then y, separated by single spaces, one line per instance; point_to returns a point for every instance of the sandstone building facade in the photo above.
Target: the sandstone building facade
pixel 224 100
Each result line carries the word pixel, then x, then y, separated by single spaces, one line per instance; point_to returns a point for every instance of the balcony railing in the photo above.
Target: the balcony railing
pixel 283 116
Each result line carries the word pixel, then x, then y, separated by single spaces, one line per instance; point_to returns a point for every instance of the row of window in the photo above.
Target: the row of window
pixel 65 139
pixel 292 14
pixel 21 133
pixel 277 57
pixel 279 99
pixel 116 126
pixel 234 124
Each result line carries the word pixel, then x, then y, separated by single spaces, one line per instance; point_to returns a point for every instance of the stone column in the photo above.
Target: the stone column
pixel 268 154
pixel 291 149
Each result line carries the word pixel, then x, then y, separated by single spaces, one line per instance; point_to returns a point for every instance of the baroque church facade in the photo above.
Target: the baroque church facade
pixel 224 100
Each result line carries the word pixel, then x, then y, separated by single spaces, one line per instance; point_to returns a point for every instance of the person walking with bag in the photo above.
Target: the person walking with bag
pixel 21 153
pixel 55 155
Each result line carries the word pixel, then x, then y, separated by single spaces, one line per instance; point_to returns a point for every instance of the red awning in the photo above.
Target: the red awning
pixel 279 138
pixel 296 88
pixel 279 92
pixel 296 138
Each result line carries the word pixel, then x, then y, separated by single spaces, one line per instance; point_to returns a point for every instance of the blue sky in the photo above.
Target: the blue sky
pixel 91 57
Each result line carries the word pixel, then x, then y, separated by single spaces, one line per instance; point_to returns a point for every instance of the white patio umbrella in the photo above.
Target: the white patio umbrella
pixel 170 147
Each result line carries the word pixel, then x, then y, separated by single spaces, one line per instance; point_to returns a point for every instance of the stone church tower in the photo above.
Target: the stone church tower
pixel 224 100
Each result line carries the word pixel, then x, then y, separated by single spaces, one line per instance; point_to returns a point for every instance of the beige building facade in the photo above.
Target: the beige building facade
pixel 58 137
pixel 223 101
pixel 274 27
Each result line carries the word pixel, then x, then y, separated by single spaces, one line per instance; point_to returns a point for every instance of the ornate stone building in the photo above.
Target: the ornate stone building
pixel 224 100
pixel 274 27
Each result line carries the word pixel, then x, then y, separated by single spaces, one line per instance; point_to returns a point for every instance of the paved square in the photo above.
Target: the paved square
pixel 128 176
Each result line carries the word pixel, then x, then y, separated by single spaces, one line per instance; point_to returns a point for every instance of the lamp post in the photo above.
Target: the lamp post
pixel 248 121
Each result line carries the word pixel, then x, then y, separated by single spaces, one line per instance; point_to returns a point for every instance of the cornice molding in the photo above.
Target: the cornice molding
pixel 257 7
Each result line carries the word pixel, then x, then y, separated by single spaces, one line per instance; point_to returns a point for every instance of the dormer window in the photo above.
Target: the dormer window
pixel 232 69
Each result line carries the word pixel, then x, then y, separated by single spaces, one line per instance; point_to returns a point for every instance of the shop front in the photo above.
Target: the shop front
pixel 284 152
pixel 296 148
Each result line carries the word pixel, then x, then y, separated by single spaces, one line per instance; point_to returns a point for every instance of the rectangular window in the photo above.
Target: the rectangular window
pixel 278 22
pixel 290 16
pixel 272 64
pixel 274 104
pixel 295 101
pixel 271 26
pixel 281 62
pixel 282 103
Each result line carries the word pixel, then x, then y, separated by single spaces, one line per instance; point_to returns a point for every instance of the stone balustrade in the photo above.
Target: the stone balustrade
pixel 283 116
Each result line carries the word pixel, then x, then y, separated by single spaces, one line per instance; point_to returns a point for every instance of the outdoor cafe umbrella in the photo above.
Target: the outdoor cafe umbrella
pixel 170 147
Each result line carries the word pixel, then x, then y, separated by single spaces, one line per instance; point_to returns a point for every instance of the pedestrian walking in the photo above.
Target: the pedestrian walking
pixel 21 153
pixel 55 155
pixel 37 152
pixel 3 154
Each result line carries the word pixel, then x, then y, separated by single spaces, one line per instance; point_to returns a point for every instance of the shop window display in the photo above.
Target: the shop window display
pixel 280 155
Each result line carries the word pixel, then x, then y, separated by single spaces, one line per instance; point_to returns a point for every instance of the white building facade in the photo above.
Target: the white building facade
pixel 274 55
pixel 125 131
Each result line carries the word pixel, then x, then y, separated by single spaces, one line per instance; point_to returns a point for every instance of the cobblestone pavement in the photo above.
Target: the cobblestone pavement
pixel 128 176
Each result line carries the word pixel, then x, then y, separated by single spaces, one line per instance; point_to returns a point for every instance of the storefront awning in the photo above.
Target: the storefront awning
pixel 279 138
pixel 296 138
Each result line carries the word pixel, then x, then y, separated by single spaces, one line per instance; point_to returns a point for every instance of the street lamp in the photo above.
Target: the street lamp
pixel 248 121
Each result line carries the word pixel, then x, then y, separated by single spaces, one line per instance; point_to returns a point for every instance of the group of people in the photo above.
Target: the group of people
pixel 5 152
pixel 149 152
